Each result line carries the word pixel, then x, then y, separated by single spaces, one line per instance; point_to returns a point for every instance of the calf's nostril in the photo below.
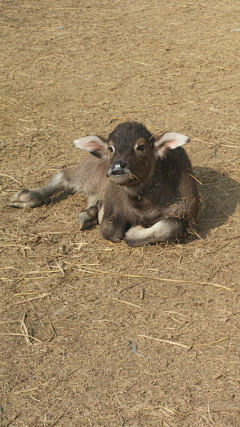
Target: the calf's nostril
pixel 119 164
pixel 118 167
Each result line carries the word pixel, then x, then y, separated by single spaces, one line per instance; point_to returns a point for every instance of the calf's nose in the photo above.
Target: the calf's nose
pixel 118 167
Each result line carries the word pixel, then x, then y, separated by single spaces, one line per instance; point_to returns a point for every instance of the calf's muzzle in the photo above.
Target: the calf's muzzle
pixel 119 173
pixel 117 168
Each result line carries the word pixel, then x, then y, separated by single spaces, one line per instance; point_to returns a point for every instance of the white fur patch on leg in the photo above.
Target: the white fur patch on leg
pixel 57 183
pixel 162 231
pixel 100 214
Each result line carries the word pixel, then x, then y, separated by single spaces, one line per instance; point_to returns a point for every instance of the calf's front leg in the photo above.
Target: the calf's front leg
pixel 113 227
pixel 163 231
pixel 92 215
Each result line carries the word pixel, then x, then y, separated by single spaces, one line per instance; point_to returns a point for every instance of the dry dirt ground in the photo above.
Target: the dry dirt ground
pixel 100 334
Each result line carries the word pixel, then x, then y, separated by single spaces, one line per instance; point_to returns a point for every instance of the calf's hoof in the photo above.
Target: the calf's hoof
pixel 25 199
pixel 88 218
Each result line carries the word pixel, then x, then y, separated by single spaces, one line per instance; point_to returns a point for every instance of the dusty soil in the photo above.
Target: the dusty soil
pixel 100 334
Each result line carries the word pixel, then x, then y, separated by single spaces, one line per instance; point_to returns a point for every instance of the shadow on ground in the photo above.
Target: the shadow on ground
pixel 220 195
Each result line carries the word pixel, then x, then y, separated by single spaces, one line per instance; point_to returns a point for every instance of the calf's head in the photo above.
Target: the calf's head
pixel 132 151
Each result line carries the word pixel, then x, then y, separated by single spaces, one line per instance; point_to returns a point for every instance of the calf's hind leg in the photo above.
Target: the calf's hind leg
pixel 40 196
pixel 62 181
pixel 163 231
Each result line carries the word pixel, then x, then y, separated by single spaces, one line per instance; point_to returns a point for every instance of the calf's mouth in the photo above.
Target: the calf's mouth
pixel 120 174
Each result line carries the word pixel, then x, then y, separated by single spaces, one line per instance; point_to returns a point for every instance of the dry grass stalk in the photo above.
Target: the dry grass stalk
pixel 196 234
pixel 165 341
pixel 27 390
pixel 141 294
pixel 161 279
pixel 53 233
pixel 164 410
pixel 209 414
pixel 128 303
pixel 229 146
pixel 183 345
pixel 60 268
pixel 30 299
pixel 24 329
pixel 12 245
pixel 24 293
pixel 199 182
pixel 12 420
pixel 141 63
pixel 209 344
pixel 57 419
pixel 42 272
pixel 16 334
pixel 10 177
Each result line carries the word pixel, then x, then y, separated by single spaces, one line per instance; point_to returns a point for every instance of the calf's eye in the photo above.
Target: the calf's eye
pixel 111 149
pixel 141 147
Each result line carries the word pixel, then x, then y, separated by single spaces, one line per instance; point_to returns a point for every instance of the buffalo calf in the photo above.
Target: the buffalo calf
pixel 139 186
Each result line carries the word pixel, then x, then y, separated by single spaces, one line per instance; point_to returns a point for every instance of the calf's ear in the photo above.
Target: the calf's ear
pixel 169 141
pixel 93 144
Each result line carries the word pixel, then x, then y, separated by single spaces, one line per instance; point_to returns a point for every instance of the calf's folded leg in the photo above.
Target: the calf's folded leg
pixel 112 228
pixel 163 231
pixel 88 217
